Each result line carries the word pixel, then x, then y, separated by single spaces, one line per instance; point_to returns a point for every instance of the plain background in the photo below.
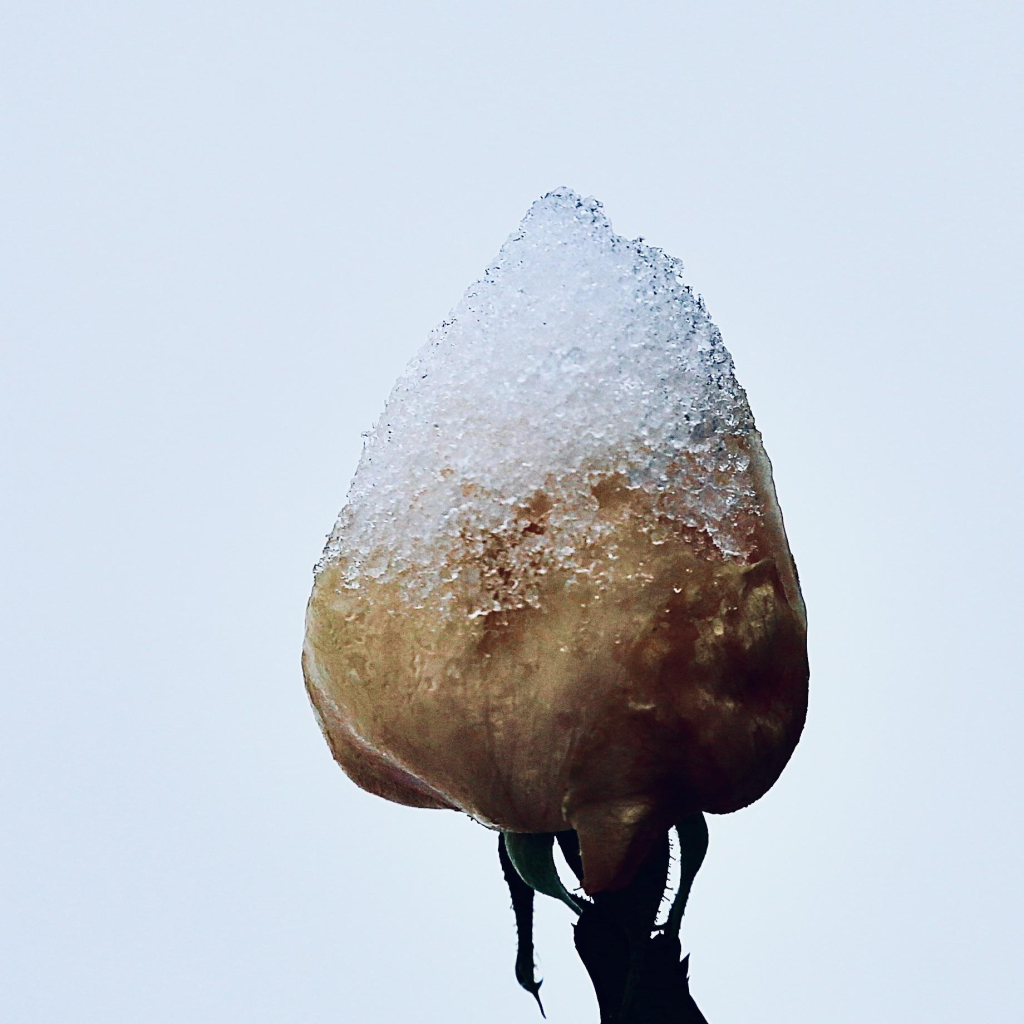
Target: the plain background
pixel 226 226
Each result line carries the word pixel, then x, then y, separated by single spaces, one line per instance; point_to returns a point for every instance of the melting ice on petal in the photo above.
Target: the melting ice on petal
pixel 580 361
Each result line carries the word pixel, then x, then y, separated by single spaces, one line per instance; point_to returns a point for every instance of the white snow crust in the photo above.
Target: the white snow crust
pixel 578 355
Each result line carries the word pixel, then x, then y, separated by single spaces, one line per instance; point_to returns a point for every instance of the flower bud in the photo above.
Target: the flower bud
pixel 560 594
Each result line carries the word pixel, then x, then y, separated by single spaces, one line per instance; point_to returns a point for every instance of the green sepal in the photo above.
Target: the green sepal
pixel 533 854
pixel 522 907
pixel 693 845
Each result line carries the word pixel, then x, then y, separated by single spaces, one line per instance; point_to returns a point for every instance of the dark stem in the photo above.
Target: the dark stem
pixel 635 966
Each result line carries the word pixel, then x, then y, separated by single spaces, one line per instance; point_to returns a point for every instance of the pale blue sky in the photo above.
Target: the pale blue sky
pixel 226 228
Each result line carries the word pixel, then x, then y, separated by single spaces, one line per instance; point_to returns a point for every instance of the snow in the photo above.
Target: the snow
pixel 580 360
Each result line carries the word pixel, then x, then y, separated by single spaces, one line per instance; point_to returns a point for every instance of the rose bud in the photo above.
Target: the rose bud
pixel 560 595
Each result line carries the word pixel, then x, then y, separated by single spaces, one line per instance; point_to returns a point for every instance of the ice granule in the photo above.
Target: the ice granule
pixel 579 358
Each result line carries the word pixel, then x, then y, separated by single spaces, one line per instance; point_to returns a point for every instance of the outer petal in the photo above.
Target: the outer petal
pixel 613 708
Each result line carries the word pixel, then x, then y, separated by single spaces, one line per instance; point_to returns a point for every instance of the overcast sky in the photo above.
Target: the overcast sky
pixel 226 227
